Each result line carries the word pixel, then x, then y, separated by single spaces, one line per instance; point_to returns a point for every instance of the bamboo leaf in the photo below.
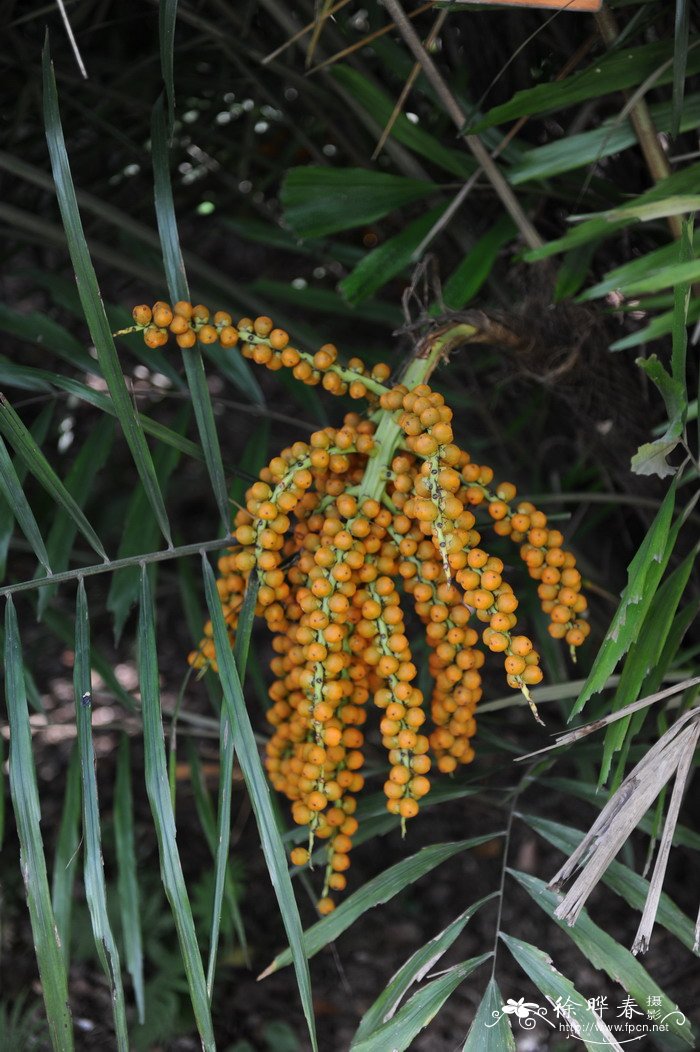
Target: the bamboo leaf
pixel 259 791
pixel 485 1035
pixel 65 860
pixel 620 69
pixel 127 879
pixel 398 1034
pixel 413 971
pixel 140 533
pixel 79 483
pixel 177 285
pixel 464 282
pixel 93 869
pixel 167 15
pixel 644 657
pixel 643 576
pixel 320 201
pixel 40 429
pixel 680 62
pixel 391 258
pixel 27 449
pixel 378 104
pixel 90 296
pixel 650 458
pixel 585 1024
pixel 375 893
pixel 25 802
pixel 158 791
pixel 629 885
pixel 14 495
pixel 608 955
pixel 243 632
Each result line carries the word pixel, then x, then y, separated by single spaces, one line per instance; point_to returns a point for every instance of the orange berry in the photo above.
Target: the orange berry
pixel 142 314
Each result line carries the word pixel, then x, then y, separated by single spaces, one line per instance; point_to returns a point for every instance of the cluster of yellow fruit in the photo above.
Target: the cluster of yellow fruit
pixel 335 528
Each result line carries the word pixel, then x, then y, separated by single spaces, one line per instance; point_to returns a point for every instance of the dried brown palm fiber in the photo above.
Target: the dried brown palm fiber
pixel 564 346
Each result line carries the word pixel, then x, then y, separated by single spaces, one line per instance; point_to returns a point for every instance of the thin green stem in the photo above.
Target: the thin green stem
pixel 118 564
pixel 506 845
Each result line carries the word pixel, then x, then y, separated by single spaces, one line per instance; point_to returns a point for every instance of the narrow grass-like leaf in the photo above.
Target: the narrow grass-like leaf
pixel 387 260
pixel 413 971
pixel 243 632
pixel 140 533
pixel 207 820
pixel 682 837
pixel 644 574
pixel 40 429
pixel 90 296
pixel 590 147
pixel 490 1031
pixel 167 15
pixel 163 195
pixel 644 657
pixel 24 445
pixel 620 69
pixel 320 201
pixel 127 880
pixel 25 802
pixel 414 136
pixel 178 288
pixel 680 62
pixel 399 1033
pixel 605 953
pixel 158 791
pixel 2 791
pixel 375 893
pixel 629 885
pixel 464 282
pixel 14 495
pixel 65 861
pixel 79 482
pixel 93 868
pixel 586 1025
pixel 259 791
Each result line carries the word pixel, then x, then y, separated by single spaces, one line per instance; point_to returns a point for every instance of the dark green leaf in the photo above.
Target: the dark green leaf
pixel 17 503
pixel 413 971
pixel 557 989
pixel 643 576
pixel 621 879
pixel 65 860
pixel 490 1031
pixel 25 802
pixel 620 69
pixel 127 878
pixel 90 297
pixel 158 791
pixel 321 201
pixel 604 952
pixel 247 751
pixel 391 258
pixel 650 458
pixel 79 483
pixel 93 869
pixel 464 282
pixel 399 1032
pixel 376 892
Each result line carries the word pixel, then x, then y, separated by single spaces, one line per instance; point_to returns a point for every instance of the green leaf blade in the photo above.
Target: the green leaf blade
pixel 93 870
pixel 158 791
pixel 25 802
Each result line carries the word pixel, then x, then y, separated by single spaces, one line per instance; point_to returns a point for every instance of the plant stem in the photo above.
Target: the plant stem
pixel 118 564
pixel 418 370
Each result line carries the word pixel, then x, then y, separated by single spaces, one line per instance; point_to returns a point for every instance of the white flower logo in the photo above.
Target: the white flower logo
pixel 520 1008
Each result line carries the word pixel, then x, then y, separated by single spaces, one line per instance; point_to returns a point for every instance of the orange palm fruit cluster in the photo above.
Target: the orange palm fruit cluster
pixel 338 531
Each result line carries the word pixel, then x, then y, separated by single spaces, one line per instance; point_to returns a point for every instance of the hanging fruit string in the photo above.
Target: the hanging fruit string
pixel 336 529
